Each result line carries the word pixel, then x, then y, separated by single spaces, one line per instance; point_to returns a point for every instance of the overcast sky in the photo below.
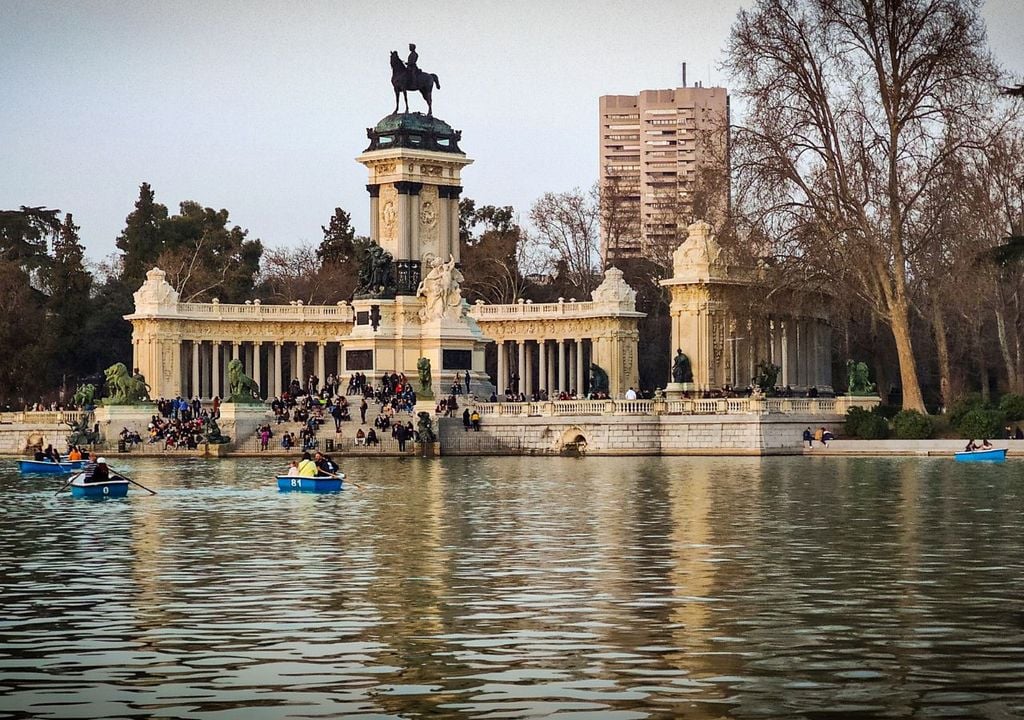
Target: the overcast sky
pixel 260 107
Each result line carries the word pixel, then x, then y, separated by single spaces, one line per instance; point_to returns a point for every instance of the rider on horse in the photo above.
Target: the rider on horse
pixel 411 67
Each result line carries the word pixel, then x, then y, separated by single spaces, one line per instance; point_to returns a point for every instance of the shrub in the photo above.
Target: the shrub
pixel 912 425
pixel 886 411
pixel 981 423
pixel 1012 406
pixel 960 407
pixel 866 425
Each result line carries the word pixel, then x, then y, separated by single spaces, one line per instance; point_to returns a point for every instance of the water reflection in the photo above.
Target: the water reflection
pixel 520 587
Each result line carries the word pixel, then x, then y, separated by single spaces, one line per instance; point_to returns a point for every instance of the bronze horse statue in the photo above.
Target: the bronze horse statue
pixel 423 83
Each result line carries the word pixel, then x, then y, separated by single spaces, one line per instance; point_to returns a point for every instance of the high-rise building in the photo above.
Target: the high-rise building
pixel 655 147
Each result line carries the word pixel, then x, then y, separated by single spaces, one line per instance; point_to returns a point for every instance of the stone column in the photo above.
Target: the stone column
pixel 542 366
pixel 298 369
pixel 374 191
pixel 521 367
pixel 561 365
pixel 403 247
pixel 234 350
pixel 195 369
pixel 502 380
pixel 277 369
pixel 321 360
pixel 256 369
pixel 453 222
pixel 341 362
pixel 215 370
pixel 444 230
pixel 528 371
pixel 581 375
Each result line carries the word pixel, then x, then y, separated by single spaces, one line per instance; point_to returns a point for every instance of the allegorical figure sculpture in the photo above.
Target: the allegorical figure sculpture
pixel 426 378
pixel 598 379
pixel 125 389
pixel 425 428
pixel 84 396
pixel 241 387
pixel 681 370
pixel 375 279
pixel 409 77
pixel 857 379
pixel 441 287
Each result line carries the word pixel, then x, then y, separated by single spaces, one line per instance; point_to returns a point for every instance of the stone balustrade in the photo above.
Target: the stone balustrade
pixel 557 310
pixel 41 418
pixel 254 311
pixel 689 406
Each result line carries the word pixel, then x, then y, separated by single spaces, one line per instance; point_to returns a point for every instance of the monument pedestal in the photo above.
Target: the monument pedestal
pixel 239 421
pixel 113 418
pixel 677 391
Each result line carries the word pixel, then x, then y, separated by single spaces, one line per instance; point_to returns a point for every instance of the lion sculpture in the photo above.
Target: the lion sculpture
pixel 123 388
pixel 241 387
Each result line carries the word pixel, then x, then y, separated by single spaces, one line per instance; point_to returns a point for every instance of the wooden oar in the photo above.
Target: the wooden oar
pixel 65 485
pixel 343 479
pixel 125 477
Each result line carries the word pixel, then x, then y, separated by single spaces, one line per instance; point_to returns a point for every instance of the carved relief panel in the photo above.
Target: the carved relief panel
pixel 428 219
pixel 388 209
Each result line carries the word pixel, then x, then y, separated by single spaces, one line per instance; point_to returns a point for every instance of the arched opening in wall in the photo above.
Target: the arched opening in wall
pixel 573 443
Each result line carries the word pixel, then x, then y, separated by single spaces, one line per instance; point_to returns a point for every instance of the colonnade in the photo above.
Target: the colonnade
pixel 272 364
pixel 800 346
pixel 529 366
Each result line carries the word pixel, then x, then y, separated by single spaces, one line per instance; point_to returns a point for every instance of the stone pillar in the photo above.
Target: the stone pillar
pixel 321 360
pixel 581 373
pixel 561 365
pixel 257 370
pixel 277 369
pixel 521 367
pixel 341 362
pixel 215 370
pixel 501 382
pixel 374 191
pixel 403 246
pixel 234 350
pixel 453 222
pixel 528 371
pixel 542 366
pixel 195 369
pixel 298 369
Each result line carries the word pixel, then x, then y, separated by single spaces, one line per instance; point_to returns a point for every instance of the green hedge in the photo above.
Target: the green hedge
pixel 1012 406
pixel 981 423
pixel 866 425
pixel 912 425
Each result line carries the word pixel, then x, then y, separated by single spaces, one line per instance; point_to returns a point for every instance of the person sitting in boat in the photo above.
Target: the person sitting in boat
pixel 307 468
pixel 75 454
pixel 293 469
pixel 39 456
pixel 985 444
pixel 54 454
pixel 100 470
pixel 971 446
pixel 324 465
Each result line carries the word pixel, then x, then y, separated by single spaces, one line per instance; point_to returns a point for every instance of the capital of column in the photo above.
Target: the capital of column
pixel 406 187
pixel 374 190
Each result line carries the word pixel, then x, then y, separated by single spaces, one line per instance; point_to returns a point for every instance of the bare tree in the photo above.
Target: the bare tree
pixel 854 106
pixel 288 274
pixel 566 226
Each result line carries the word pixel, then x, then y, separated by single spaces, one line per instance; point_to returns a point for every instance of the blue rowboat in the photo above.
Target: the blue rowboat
pixel 115 487
pixel 48 467
pixel 995 455
pixel 287 483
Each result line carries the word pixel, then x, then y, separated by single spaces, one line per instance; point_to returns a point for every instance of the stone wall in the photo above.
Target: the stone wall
pixel 735 434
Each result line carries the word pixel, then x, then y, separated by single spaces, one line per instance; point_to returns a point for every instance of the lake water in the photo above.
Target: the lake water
pixel 520 587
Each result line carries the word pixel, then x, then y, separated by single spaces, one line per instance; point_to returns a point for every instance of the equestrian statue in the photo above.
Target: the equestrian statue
pixel 406 77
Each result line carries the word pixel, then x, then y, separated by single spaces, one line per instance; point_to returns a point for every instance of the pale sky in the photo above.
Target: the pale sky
pixel 260 107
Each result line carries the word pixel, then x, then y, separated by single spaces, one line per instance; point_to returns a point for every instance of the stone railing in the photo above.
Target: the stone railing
pixel 41 418
pixel 688 406
pixel 481 312
pixel 256 310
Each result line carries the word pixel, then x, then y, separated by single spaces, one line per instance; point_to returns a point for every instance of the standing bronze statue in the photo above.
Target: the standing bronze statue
pixel 409 77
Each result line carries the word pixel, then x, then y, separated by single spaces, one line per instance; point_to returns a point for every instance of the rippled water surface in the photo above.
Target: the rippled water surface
pixel 520 587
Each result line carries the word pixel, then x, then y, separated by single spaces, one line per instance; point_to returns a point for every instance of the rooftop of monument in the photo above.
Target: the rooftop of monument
pixel 414 130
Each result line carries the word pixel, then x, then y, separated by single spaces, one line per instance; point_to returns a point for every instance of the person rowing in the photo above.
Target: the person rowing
pixel 324 465
pixel 307 468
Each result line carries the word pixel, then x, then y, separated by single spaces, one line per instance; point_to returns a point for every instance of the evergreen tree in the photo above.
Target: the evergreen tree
pixel 339 243
pixel 141 240
pixel 68 284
